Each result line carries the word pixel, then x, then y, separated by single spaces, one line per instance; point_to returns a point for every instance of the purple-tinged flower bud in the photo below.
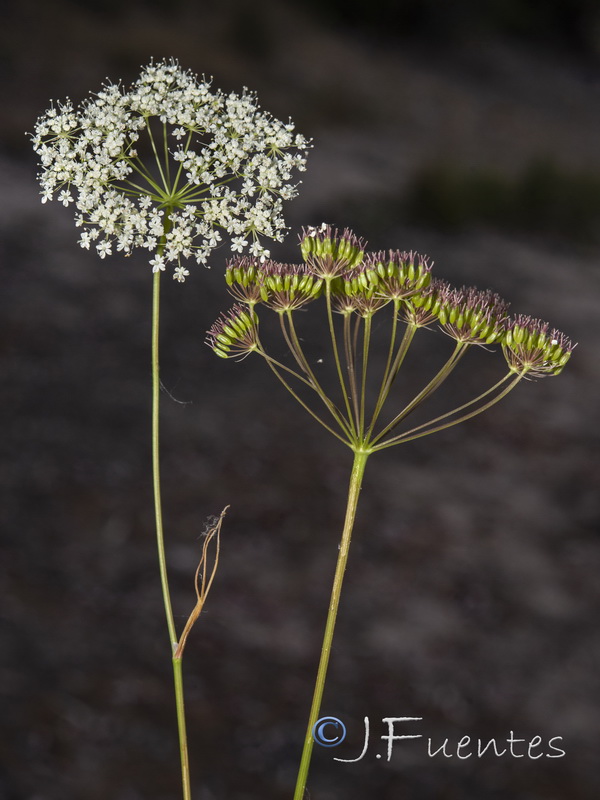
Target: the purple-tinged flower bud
pixel 423 308
pixel 344 304
pixel 529 347
pixel 286 287
pixel 355 281
pixel 235 333
pixel 369 303
pixel 355 292
pixel 242 278
pixel 473 316
pixel 329 253
pixel 398 274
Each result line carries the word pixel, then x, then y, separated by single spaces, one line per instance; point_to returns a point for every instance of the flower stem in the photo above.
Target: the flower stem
pixel 391 371
pixel 336 356
pixel 160 541
pixel 409 436
pixel 350 361
pixel 358 469
pixel 434 384
pixel 271 362
pixel 293 343
pixel 162 561
pixel 363 382
pixel 183 748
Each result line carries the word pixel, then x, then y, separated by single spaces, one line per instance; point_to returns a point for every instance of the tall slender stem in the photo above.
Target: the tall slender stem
pixel 358 469
pixel 183 748
pixel 160 540
pixel 162 561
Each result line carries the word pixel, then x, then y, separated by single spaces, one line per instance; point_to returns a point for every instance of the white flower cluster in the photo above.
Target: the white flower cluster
pixel 170 165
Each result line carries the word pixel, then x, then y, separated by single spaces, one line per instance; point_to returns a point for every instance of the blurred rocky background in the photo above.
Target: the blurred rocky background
pixel 466 130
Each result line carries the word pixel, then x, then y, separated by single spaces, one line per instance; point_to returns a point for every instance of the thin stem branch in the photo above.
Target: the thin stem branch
pixel 287 369
pixel 350 361
pixel 390 355
pixel 147 177
pixel 405 437
pixel 431 387
pixel 166 153
pixel 391 372
pixel 180 167
pixel 139 166
pixel 191 192
pixel 358 468
pixel 363 378
pixel 293 343
pixel 301 401
pixel 156 157
pixel 457 410
pixel 336 356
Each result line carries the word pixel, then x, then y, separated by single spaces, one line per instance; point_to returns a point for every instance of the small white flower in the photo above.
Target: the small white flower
pixel 238 243
pixel 104 248
pixel 180 274
pixel 65 197
pixel 256 249
pixel 157 263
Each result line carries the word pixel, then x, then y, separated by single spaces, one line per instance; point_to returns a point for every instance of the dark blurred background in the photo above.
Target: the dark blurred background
pixel 467 130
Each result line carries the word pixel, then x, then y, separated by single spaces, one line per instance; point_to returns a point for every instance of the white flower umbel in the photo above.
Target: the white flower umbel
pixel 168 166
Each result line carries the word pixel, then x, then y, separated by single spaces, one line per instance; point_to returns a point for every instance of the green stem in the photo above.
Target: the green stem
pixel 404 437
pixel 458 409
pixel 336 356
pixel 363 382
pixel 141 170
pixel 349 353
pixel 270 361
pixel 162 561
pixel 388 363
pixel 156 157
pixel 183 749
pixel 293 342
pixel 391 372
pixel 358 469
pixel 160 540
pixel 434 384
pixel 166 153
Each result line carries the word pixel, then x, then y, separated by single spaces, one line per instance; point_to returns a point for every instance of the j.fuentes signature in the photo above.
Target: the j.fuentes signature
pixel 331 732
